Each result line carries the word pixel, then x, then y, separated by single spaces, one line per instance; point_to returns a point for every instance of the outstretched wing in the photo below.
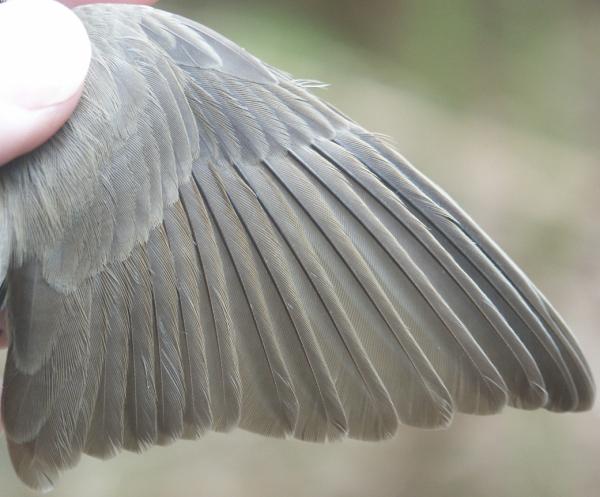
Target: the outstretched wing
pixel 207 245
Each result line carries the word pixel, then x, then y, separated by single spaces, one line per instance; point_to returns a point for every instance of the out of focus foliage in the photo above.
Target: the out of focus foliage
pixel 526 61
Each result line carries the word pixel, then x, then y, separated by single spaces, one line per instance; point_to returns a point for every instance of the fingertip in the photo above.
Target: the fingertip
pixel 44 58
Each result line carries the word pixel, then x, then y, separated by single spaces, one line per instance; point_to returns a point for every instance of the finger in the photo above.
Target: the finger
pixel 44 58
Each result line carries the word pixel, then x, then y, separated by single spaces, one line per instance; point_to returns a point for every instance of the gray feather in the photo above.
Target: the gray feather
pixel 167 355
pixel 106 431
pixel 197 415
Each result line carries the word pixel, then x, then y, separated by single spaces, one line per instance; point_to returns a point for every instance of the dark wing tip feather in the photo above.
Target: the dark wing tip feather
pixel 568 382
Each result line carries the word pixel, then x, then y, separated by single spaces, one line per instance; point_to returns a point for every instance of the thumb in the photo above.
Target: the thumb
pixel 44 58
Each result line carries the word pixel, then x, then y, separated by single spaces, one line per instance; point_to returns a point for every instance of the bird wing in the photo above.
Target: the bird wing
pixel 207 245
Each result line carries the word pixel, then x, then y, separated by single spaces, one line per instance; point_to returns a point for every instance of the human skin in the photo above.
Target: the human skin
pixel 43 72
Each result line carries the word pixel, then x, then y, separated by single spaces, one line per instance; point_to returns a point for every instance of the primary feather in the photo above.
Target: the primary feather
pixel 206 245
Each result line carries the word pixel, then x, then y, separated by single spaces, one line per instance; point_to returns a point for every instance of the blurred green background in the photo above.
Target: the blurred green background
pixel 497 101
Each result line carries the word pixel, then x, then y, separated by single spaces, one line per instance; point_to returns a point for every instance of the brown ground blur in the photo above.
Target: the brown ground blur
pixel 500 107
